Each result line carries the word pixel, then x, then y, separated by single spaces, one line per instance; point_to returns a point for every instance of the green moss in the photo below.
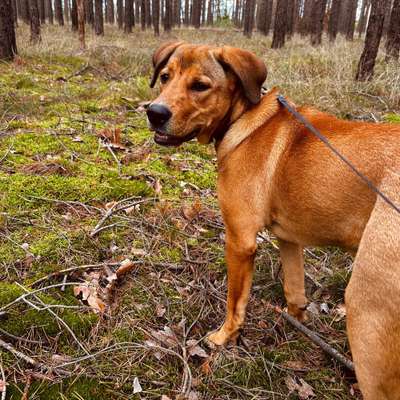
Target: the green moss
pixel 68 389
pixel 392 118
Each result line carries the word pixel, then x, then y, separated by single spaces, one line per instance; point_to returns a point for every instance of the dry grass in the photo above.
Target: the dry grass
pixel 56 182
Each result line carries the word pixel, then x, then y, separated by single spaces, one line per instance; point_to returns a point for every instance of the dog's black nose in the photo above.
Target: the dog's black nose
pixel 158 114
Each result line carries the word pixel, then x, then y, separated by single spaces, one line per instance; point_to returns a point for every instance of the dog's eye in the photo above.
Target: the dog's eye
pixel 200 86
pixel 164 78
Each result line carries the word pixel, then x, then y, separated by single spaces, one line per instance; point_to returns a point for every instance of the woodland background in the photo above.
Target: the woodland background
pixel 111 247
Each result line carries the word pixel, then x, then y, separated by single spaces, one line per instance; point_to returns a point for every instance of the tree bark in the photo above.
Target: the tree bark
pixel 249 18
pixel 306 21
pixel 156 17
pixel 15 12
pixel 168 16
pixel 67 9
pixel 333 24
pixel 42 13
pixel 187 13
pixel 196 13
pixel 35 22
pixel 365 69
pixel 74 15
pixel 351 22
pixel 149 20
pixel 25 15
pixel 386 21
pixel 317 18
pixel 8 44
pixel 81 23
pixel 136 12
pixel 120 14
pixel 89 13
pixel 58 11
pixel 210 17
pixel 129 16
pixel 49 11
pixel 110 11
pixel 280 25
pixel 393 35
pixel 98 18
pixel 143 15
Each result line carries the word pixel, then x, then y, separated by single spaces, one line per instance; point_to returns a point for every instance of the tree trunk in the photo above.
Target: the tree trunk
pixel 362 22
pixel 365 69
pixel 393 35
pixel 317 18
pixel 333 24
pixel 351 22
pixel 156 17
pixel 249 18
pixel 67 9
pixel 280 27
pixel 81 23
pixel 210 12
pixel 25 15
pixel 196 13
pixel 42 13
pixel 290 11
pixel 306 21
pixel 168 16
pixel 110 11
pixel 120 13
pixel 129 16
pixel 8 44
pixel 89 13
pixel 143 15
pixel 186 15
pixel 58 11
pixel 136 13
pixel 35 22
pixel 386 21
pixel 149 20
pixel 98 18
pixel 49 11
pixel 74 16
pixel 15 11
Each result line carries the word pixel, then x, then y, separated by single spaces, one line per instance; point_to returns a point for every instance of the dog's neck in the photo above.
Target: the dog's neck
pixel 243 120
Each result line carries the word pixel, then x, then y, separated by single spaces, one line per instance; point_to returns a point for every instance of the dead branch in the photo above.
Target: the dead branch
pixel 317 340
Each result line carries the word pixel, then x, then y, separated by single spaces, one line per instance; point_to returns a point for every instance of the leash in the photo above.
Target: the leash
pixel 325 140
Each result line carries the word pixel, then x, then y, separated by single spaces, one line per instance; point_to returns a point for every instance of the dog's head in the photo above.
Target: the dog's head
pixel 203 89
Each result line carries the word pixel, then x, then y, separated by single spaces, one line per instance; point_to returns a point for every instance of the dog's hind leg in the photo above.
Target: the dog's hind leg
pixel 240 249
pixel 293 278
pixel 373 301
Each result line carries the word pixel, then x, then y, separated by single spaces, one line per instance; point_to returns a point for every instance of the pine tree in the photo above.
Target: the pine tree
pixel 8 44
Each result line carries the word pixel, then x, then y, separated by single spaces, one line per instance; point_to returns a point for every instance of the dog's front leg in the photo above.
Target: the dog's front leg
pixel 239 253
pixel 293 278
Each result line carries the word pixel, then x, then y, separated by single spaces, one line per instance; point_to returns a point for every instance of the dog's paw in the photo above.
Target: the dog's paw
pixel 221 338
pixel 300 313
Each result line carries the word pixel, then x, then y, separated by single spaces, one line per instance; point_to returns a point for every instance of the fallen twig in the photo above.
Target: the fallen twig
pixel 113 209
pixel 65 271
pixel 317 340
pixel 4 383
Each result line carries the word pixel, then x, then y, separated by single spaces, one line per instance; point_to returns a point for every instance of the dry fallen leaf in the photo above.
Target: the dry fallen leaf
pixel 195 350
pixel 160 310
pixel 125 267
pixel 191 211
pixel 304 390
pixel 157 186
pixel 137 388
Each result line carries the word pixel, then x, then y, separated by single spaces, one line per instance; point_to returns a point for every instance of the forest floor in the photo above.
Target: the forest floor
pixel 63 168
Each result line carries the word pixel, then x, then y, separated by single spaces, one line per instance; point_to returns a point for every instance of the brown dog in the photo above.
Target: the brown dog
pixel 273 173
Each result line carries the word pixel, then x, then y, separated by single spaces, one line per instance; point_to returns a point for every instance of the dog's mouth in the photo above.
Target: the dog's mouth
pixel 173 140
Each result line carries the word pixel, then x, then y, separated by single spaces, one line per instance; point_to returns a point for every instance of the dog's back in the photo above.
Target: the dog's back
pixel 373 300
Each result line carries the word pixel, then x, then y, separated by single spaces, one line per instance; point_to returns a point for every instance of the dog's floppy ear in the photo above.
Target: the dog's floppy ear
pixel 250 70
pixel 161 57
